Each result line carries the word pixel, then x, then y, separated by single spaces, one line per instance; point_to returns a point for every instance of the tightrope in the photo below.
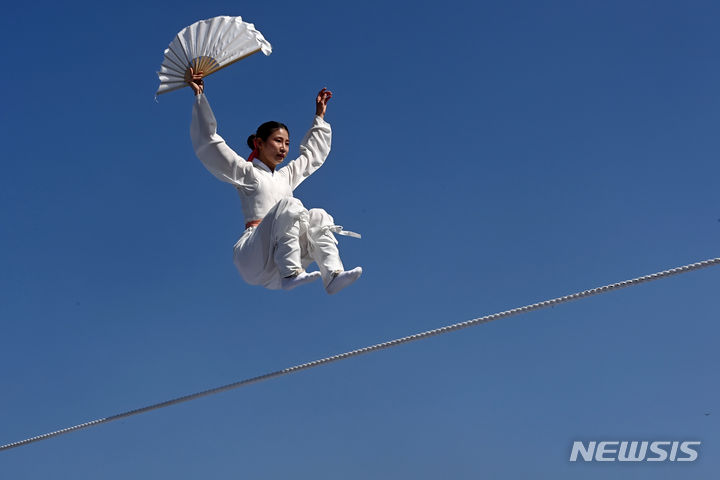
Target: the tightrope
pixel 372 348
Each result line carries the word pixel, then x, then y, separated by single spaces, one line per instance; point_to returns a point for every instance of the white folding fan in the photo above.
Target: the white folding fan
pixel 207 46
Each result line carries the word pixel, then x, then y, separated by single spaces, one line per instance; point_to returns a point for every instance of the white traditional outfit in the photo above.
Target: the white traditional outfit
pixel 282 237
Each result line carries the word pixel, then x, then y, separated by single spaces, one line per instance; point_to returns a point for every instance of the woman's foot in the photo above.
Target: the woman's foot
pixel 288 283
pixel 343 279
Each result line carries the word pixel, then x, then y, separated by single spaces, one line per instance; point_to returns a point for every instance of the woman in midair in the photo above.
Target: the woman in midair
pixel 282 238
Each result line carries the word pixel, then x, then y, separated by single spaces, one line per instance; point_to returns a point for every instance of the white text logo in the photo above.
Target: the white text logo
pixel 645 451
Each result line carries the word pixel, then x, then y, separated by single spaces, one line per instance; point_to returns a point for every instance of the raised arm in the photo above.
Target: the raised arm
pixel 321 101
pixel 210 147
pixel 315 146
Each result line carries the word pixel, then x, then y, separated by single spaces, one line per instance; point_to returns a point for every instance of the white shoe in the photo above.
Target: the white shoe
pixel 343 279
pixel 288 283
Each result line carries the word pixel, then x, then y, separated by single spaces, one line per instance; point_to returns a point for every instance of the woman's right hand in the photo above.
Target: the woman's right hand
pixel 195 80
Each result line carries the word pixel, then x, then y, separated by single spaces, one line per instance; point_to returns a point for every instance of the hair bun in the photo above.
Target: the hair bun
pixel 251 141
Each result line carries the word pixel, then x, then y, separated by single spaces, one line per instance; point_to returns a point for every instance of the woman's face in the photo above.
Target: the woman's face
pixel 274 150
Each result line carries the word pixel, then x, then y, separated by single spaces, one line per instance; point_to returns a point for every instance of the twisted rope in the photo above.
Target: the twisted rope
pixel 379 346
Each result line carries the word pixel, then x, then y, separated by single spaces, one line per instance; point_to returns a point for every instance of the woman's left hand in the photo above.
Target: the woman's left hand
pixel 321 102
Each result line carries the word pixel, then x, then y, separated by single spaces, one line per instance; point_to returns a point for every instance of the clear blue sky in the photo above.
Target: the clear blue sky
pixel 492 154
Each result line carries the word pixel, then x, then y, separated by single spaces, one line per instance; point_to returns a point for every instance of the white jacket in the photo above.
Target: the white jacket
pixel 260 189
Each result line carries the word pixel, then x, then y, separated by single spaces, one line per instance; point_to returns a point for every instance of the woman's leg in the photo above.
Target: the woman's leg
pixel 322 248
pixel 267 253
pixel 289 218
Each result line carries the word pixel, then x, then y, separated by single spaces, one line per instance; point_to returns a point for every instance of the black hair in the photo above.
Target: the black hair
pixel 264 131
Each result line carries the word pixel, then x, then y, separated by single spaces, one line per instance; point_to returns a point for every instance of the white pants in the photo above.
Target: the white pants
pixel 287 241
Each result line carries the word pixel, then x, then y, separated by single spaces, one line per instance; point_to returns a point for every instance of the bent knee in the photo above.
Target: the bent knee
pixel 289 207
pixel 318 216
pixel 290 202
